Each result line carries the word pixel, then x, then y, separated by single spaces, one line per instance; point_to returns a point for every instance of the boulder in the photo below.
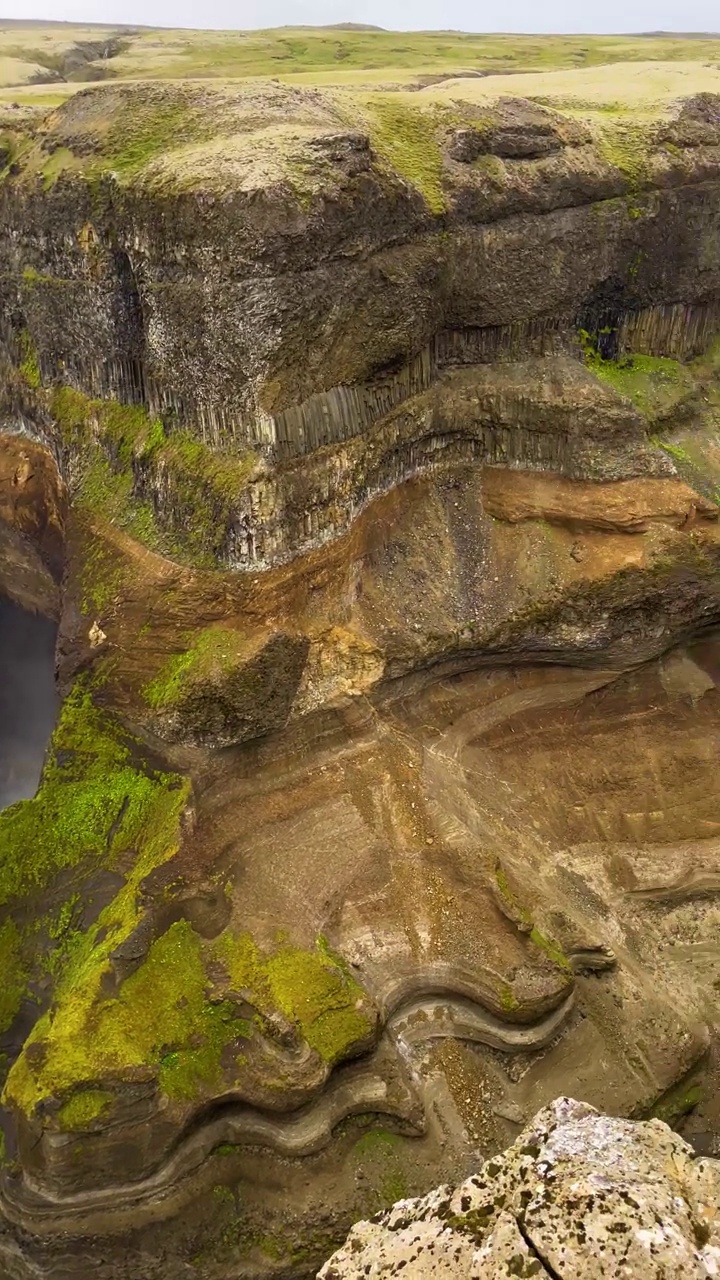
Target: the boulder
pixel 579 1194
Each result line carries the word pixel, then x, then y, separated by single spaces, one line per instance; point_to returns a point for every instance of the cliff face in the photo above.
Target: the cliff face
pixel 384 780
pixel 281 287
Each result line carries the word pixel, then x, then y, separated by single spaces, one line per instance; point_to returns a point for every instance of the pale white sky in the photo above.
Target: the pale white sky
pixel 464 15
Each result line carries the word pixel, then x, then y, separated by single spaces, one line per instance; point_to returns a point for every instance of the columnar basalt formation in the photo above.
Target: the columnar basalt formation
pixel 382 804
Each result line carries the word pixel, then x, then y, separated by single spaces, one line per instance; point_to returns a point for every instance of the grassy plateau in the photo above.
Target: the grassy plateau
pixel 51 59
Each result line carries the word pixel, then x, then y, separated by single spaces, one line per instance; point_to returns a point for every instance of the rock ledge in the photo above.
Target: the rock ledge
pixel 579 1194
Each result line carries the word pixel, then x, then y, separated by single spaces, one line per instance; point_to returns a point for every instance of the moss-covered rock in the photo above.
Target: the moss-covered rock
pixel 98 806
pixel 170 491
pixel 314 990
pixel 226 686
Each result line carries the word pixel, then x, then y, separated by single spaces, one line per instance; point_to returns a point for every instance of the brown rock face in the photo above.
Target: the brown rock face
pixel 383 802
pixel 32 505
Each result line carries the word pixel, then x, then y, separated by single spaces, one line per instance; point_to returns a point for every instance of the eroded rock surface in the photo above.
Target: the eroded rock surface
pixel 578 1194
pixel 383 801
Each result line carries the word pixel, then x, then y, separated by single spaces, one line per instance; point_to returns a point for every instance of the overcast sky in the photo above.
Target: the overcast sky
pixel 463 15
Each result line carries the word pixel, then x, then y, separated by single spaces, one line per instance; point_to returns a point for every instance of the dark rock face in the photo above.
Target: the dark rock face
pixel 382 803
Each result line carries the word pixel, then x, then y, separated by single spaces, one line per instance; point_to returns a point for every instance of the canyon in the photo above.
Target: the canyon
pixel 360 461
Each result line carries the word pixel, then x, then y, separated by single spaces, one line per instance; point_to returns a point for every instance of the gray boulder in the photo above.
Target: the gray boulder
pixel 579 1196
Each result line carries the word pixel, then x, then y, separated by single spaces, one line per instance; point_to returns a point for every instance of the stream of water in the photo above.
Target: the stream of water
pixel 28 699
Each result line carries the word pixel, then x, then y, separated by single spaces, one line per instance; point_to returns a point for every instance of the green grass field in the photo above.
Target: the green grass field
pixel 32 52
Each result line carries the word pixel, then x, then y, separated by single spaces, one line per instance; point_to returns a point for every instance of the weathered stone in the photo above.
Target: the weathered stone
pixel 578 1194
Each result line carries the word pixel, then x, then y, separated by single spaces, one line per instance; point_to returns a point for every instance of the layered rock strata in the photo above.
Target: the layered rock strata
pixel 382 804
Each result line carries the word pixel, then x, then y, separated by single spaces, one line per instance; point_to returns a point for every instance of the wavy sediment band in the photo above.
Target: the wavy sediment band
pixel 432 1018
pixel 112 1209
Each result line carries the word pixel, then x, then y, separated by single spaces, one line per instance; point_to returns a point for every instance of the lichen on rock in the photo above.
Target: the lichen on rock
pixel 577 1194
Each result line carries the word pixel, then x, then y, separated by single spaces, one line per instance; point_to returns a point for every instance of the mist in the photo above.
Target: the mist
pixel 28 699
pixel 401 15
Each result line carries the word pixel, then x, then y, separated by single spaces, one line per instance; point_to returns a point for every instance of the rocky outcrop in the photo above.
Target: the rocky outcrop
pixel 578 1194
pixel 32 514
pixel 313 305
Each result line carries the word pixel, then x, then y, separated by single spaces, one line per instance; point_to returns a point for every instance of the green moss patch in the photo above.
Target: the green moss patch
pixel 29 366
pixel 84 1109
pixel 210 650
pixel 161 1019
pixel 524 920
pixel 103 574
pixel 550 949
pixel 313 989
pixel 14 974
pixel 626 145
pixel 655 384
pixel 108 132
pixel 511 900
pixel 150 129
pixel 97 802
pixel 119 452
pixel 93 802
pixel 406 136
pixel 678 1102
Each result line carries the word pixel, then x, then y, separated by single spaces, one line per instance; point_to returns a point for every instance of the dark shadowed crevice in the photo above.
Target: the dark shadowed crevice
pixel 28 699
pixel 547 1266
pixel 130 323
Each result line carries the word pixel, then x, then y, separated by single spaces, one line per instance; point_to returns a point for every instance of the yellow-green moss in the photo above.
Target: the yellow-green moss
pixel 677 1102
pixel 84 1108
pixel 107 491
pixel 539 939
pixel 93 800
pixel 508 999
pixel 674 451
pixel 213 648
pixel 405 133
pixel 625 144
pixel 551 949
pixel 119 450
pixel 511 898
pixel 97 799
pixel 653 383
pixel 72 412
pixel 14 974
pixel 29 365
pixel 103 574
pixel 128 140
pixel 311 988
pixel 151 129
pixel 161 1018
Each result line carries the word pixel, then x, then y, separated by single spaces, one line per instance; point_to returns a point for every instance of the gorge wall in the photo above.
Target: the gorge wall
pixel 375 443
